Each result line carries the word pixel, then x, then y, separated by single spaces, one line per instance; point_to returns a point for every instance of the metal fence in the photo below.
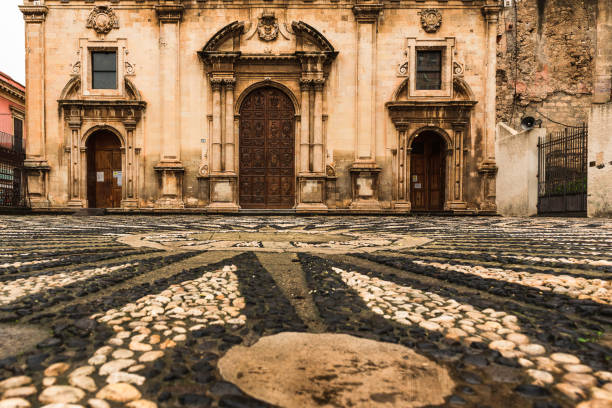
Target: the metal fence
pixel 13 185
pixel 562 172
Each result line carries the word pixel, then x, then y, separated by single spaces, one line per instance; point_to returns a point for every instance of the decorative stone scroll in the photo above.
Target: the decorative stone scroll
pixel 102 19
pixel 431 20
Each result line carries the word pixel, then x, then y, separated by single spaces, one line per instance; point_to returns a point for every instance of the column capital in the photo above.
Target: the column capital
pixel 169 13
pixel 305 84
pixel 130 124
pixel 74 122
pixel 216 84
pixel 34 14
pixel 229 83
pixel 491 13
pixel 318 84
pixel 366 12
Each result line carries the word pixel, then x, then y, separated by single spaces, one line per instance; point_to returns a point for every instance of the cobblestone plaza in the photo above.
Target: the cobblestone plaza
pixel 172 311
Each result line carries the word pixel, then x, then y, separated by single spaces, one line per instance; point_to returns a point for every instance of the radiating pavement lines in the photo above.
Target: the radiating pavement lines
pixel 147 277
pixel 287 272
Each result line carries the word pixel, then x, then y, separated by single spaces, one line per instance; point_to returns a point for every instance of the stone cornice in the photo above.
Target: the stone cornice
pixel 169 13
pixel 404 113
pixel 366 12
pixel 34 14
pixel 491 12
pixel 9 89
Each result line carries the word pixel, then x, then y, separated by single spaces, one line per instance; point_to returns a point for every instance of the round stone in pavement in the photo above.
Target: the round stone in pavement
pixel 303 369
pixel 15 339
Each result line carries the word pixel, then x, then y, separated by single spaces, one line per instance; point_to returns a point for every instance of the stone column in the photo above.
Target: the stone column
pixel 36 164
pixel 403 172
pixel 74 173
pixel 216 126
pixel 130 169
pixel 305 128
pixel 455 185
pixel 228 141
pixel 364 171
pixel 318 158
pixel 602 88
pixel 169 166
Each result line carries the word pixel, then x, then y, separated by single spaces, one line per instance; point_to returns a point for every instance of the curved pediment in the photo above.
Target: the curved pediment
pixel 233 30
pixel 248 39
pixel 71 89
pixel 306 31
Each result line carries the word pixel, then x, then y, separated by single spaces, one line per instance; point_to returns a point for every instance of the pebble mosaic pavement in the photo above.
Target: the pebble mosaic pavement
pixel 137 311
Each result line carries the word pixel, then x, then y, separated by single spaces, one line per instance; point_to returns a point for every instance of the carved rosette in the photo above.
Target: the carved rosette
pixel 431 20
pixel 267 27
pixel 102 19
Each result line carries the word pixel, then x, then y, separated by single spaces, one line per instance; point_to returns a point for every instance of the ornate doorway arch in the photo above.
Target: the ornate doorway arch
pixel 267 150
pixel 104 170
pixel 427 171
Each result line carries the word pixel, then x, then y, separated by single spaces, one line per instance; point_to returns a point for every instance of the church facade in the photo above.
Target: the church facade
pixel 221 105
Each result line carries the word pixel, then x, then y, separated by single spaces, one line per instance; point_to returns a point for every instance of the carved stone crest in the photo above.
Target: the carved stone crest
pixel 431 20
pixel 267 28
pixel 102 19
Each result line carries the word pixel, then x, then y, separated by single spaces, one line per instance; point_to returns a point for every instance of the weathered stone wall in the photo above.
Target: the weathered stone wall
pixel 546 51
pixel 599 198
pixel 517 177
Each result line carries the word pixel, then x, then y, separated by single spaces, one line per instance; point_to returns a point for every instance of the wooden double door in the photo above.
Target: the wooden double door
pixel 267 150
pixel 104 175
pixel 427 172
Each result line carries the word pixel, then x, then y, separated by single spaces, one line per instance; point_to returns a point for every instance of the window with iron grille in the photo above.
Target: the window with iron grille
pixel 104 69
pixel 429 70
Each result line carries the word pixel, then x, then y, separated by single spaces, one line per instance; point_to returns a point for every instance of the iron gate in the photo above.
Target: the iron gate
pixel 13 189
pixel 562 172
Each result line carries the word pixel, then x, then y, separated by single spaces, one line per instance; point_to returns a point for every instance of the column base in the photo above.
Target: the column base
pixel 170 185
pixel 364 179
pixel 129 203
pixel 77 204
pixel 223 190
pixel 456 205
pixel 404 206
pixel 311 192
pixel 37 177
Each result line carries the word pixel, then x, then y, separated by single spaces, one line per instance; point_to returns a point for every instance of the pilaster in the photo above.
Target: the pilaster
pixel 170 168
pixel 364 171
pixel 36 165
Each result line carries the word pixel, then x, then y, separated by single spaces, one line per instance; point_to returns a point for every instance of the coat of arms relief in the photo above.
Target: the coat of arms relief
pixel 102 19
pixel 267 27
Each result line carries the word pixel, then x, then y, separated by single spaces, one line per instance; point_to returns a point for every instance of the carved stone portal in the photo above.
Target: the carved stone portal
pixel 431 20
pixel 102 19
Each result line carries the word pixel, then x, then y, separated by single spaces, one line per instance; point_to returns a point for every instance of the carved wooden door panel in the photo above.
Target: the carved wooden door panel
pixel 104 175
pixel 427 173
pixel 267 150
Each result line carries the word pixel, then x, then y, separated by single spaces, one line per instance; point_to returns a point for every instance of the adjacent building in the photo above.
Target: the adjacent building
pixel 12 114
pixel 313 105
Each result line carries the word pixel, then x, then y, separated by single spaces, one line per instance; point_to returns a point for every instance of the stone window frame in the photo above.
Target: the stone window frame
pixel 446 46
pixel 86 48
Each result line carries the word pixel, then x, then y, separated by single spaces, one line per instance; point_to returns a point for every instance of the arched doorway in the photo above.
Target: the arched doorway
pixel 104 173
pixel 427 165
pixel 267 150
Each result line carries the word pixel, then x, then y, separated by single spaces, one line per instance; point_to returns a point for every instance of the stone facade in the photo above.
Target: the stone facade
pixel 546 61
pixel 186 71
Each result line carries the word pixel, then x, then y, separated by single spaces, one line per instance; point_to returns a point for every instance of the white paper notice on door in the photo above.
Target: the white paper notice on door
pixel 100 176
pixel 417 185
